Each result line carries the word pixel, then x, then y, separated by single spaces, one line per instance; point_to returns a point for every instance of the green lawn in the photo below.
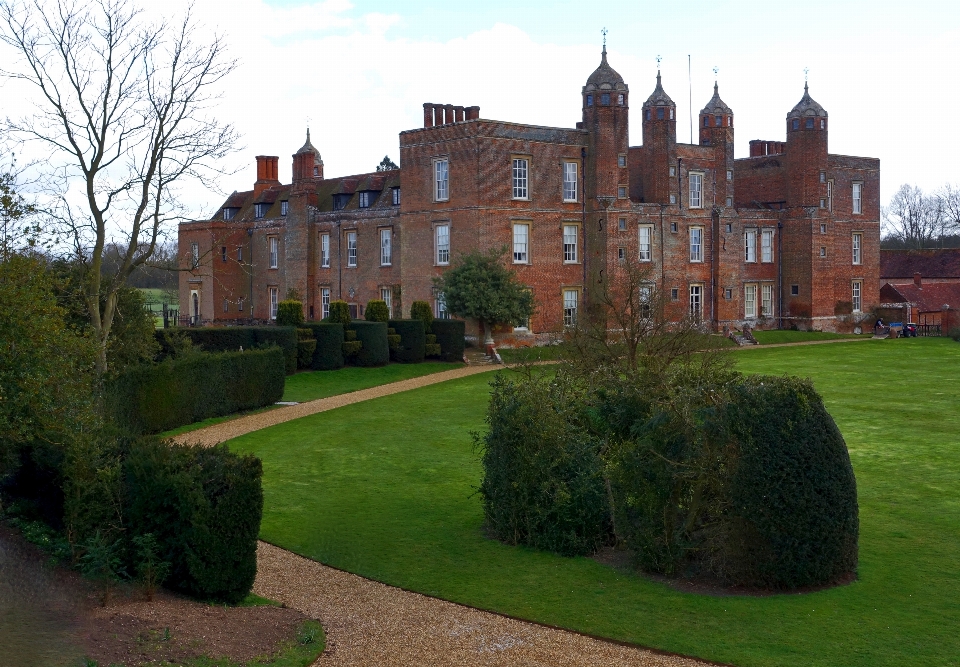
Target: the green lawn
pixel 386 489
pixel 311 385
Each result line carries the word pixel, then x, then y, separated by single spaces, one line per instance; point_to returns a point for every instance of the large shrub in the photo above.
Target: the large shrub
pixel 374 348
pixel 450 338
pixel 306 347
pixel 377 311
pixel 543 484
pixel 231 339
pixel 412 347
pixel 420 310
pixel 289 313
pixel 154 398
pixel 339 313
pixel 793 518
pixel 328 354
pixel 203 506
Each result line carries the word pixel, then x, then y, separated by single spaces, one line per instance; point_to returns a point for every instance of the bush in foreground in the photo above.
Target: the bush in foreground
pixel 450 338
pixel 412 347
pixel 231 339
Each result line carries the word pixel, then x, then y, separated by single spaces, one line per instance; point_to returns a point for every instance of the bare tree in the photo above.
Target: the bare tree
pixel 949 198
pixel 124 108
pixel 913 218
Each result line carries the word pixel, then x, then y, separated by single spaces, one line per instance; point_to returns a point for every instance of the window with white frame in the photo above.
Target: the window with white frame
pixel 324 302
pixel 857 198
pixel 396 197
pixel 750 246
pixel 442 236
pixel 521 240
pixel 766 245
pixel 830 195
pixel 696 244
pixel 621 191
pixel 766 300
pixel 569 181
pixel 386 247
pixel 521 167
pixel 857 285
pixel 325 251
pixel 442 313
pixel 194 255
pixel 386 295
pixel 696 302
pixel 646 243
pixel 273 303
pixel 622 160
pixel 351 248
pixel 274 244
pixel 857 245
pixel 749 301
pixel 284 207
pixel 696 190
pixel 441 180
pixel 570 235
pixel 571 300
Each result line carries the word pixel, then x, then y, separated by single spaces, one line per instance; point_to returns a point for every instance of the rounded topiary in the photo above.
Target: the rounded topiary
pixel 339 313
pixel 420 310
pixel 289 313
pixel 377 311
pixel 793 518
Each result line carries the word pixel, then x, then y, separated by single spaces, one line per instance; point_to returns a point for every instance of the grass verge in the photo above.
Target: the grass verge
pixel 312 385
pixel 774 336
pixel 386 489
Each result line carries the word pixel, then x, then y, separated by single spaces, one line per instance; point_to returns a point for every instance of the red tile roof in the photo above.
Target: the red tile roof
pixel 928 263
pixel 927 298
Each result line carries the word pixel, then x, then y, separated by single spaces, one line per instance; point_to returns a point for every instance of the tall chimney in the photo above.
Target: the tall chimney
pixel 427 114
pixel 917 281
pixel 473 113
pixel 266 173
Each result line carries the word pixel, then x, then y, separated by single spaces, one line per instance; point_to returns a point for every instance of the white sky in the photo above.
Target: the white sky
pixel 359 72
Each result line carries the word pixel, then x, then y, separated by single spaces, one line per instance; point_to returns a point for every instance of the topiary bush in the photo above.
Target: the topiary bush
pixel 793 517
pixel 306 346
pixel 289 313
pixel 154 398
pixel 377 311
pixel 543 484
pixel 420 310
pixel 374 348
pixel 412 344
pixel 339 313
pixel 450 337
pixel 954 333
pixel 328 353
pixel 203 507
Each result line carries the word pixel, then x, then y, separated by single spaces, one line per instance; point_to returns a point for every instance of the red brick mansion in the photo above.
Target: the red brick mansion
pixel 787 236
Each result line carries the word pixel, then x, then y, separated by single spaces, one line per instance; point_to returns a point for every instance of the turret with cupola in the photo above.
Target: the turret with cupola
pixel 806 151
pixel 716 129
pixel 660 146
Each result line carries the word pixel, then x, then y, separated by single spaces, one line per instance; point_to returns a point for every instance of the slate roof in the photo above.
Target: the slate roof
pixel 928 263
pixel 659 97
pixel 928 298
pixel 605 77
pixel 807 106
pixel 716 106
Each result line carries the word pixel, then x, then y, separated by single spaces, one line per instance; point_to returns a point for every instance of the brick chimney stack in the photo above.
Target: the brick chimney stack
pixel 917 280
pixel 266 173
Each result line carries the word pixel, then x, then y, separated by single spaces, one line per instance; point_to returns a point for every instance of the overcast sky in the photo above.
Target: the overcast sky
pixel 358 72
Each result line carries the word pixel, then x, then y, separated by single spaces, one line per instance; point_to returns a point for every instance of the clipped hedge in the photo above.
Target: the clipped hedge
pixel 543 484
pixel 289 313
pixel 154 398
pixel 420 310
pixel 328 354
pixel 793 519
pixel 231 339
pixel 377 311
pixel 374 348
pixel 412 347
pixel 450 337
pixel 203 506
pixel 339 313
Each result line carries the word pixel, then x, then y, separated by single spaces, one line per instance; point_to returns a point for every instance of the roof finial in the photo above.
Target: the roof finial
pixel 604 52
pixel 716 90
pixel 308 135
pixel 806 76
pixel 659 58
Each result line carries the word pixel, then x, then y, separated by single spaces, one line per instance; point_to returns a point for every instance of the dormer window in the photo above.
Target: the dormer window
pixel 396 196
pixel 605 99
pixel 659 113
pixel 367 197
pixel 284 207
pixel 340 201
pixel 228 213
pixel 260 210
pixel 589 100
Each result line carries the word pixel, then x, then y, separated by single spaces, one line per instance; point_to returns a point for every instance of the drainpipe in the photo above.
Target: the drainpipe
pixel 663 272
pixel 780 275
pixel 251 264
pixel 339 262
pixel 583 215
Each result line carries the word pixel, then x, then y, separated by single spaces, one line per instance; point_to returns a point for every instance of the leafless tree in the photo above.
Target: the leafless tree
pixel 949 199
pixel 124 107
pixel 914 218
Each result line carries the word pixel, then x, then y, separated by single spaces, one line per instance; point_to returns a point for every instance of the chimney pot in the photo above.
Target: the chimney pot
pixel 458 112
pixel 448 114
pixel 473 113
pixel 917 280
pixel 427 114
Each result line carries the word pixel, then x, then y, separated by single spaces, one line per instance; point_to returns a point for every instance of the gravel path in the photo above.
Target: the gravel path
pixel 369 623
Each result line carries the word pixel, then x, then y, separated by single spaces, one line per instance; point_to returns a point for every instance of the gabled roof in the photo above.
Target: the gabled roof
pixel 928 263
pixel 927 298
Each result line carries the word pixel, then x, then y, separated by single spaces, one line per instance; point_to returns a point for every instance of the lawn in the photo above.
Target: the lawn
pixel 311 385
pixel 775 336
pixel 386 488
